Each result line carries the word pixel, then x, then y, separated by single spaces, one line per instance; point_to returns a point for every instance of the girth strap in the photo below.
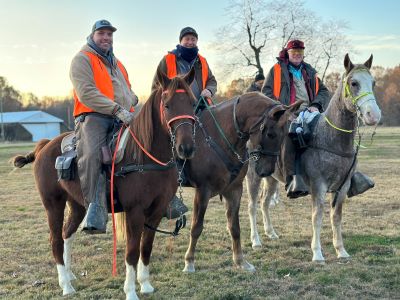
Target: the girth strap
pixel 336 152
pixel 143 168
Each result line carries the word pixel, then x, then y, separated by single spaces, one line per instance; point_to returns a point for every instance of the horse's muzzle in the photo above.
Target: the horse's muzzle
pixel 186 151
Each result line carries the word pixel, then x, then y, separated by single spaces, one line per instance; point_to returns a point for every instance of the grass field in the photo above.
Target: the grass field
pixel 371 226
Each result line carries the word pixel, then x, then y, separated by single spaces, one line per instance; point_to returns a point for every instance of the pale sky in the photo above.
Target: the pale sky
pixel 40 37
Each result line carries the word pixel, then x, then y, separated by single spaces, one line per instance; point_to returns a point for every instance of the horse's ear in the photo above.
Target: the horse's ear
pixel 277 111
pixel 189 77
pixel 368 63
pixel 162 79
pixel 295 106
pixel 348 65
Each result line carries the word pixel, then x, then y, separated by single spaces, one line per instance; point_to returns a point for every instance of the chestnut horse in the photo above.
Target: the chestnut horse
pixel 329 163
pixel 220 163
pixel 167 116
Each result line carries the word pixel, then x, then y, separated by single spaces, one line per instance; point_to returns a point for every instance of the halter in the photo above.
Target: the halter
pixel 354 99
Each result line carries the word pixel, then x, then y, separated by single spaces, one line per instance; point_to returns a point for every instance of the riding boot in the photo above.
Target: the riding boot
pixel 175 209
pixel 297 187
pixel 359 184
pixel 96 217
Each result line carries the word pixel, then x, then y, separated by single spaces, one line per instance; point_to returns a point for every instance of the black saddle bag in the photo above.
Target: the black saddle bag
pixel 66 166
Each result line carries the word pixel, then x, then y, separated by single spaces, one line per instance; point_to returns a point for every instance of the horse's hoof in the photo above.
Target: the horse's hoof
pixel 189 268
pixel 343 255
pixel 248 267
pixel 132 296
pixel 68 290
pixel 256 246
pixel 146 288
pixel 272 236
pixel 319 262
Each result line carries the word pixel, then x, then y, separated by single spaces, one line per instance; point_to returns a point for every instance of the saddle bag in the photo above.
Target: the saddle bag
pixel 66 166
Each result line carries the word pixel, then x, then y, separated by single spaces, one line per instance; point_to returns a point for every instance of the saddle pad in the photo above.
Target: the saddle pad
pixel 122 145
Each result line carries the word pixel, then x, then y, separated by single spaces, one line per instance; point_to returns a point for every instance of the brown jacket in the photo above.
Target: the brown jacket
pixel 81 75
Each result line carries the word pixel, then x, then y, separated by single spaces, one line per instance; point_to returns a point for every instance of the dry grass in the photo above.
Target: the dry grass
pixel 284 270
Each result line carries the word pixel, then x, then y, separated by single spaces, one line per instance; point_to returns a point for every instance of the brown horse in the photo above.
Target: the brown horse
pixel 144 195
pixel 220 163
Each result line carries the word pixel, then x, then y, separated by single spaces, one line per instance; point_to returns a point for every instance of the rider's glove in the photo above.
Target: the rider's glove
pixel 123 115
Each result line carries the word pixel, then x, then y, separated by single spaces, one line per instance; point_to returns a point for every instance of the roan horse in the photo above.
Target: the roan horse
pixel 329 163
pixel 220 163
pixel 143 195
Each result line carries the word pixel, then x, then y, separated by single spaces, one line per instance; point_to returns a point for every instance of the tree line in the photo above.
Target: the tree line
pixel 387 91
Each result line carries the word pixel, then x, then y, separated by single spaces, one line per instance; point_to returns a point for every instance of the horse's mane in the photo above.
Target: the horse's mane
pixel 144 123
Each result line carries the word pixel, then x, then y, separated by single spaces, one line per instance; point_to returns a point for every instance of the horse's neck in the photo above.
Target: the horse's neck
pixel 161 144
pixel 338 115
pixel 224 115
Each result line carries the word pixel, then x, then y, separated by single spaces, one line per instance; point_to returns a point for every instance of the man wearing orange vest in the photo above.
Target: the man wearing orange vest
pixel 290 80
pixel 179 62
pixel 103 100
pixel 185 56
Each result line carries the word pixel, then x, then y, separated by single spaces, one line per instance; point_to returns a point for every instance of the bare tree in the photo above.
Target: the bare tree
pixel 258 30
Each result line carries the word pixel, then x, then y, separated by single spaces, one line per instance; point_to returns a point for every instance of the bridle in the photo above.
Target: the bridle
pixel 258 126
pixel 355 99
pixel 168 123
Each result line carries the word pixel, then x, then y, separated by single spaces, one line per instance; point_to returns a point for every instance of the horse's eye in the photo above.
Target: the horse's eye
pixel 166 106
pixel 354 84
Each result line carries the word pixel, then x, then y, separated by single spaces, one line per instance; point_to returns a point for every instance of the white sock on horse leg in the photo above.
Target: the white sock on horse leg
pixel 143 277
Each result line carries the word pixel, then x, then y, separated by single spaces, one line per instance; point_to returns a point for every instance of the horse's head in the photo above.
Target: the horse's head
pixel 358 91
pixel 177 111
pixel 267 134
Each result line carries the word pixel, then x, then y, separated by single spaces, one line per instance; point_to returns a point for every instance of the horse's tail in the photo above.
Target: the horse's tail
pixel 20 160
pixel 120 224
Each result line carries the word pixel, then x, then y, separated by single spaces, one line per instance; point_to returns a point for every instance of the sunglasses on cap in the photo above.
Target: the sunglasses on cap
pixel 296 51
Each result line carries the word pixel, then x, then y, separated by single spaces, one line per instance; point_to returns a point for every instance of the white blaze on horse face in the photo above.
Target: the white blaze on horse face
pixel 371 114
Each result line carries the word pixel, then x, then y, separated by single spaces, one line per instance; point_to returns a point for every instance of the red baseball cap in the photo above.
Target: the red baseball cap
pixel 295 44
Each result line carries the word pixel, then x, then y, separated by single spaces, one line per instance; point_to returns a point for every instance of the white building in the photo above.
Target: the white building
pixel 30 125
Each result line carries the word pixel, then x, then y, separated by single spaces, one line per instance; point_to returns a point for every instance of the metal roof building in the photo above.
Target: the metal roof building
pixel 30 125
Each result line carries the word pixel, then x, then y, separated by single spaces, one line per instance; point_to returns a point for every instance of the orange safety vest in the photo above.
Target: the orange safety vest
pixel 278 81
pixel 102 80
pixel 170 60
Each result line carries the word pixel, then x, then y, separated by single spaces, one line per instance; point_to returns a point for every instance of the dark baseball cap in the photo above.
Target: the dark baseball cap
pixel 186 31
pixel 102 24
